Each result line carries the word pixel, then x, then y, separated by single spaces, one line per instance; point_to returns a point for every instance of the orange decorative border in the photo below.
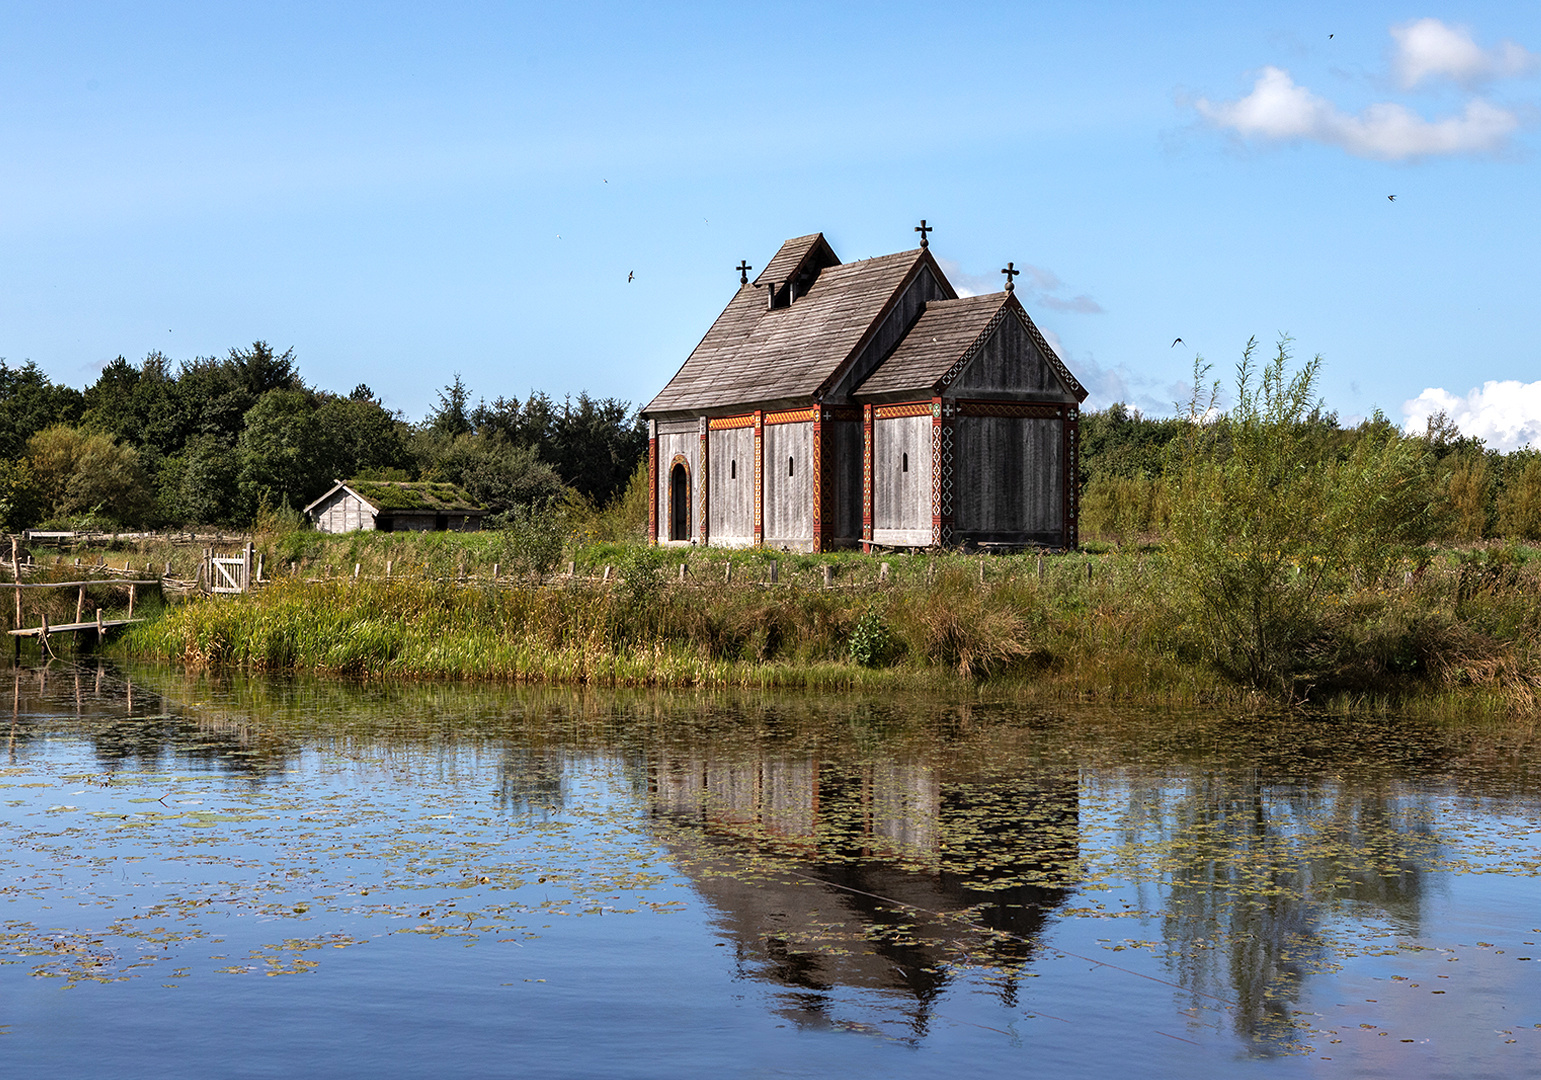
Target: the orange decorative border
pixel 792 416
pixel 894 412
pixel 728 423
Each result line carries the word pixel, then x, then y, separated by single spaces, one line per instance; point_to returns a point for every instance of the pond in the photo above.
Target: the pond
pixel 251 877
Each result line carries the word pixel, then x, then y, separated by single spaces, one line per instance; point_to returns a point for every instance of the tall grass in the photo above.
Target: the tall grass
pixel 1456 627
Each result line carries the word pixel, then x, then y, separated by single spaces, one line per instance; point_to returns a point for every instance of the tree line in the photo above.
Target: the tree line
pixel 1464 490
pixel 217 440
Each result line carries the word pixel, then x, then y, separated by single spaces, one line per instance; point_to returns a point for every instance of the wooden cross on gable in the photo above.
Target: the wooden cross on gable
pixel 1011 272
pixel 923 228
pixel 743 269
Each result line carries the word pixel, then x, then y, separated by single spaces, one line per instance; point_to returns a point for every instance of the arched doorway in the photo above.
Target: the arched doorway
pixel 679 502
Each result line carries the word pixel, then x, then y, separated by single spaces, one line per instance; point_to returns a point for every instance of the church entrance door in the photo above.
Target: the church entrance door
pixel 679 503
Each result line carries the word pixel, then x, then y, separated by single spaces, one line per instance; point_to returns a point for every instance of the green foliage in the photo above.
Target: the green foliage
pixel 872 642
pixel 20 505
pixel 641 573
pixel 531 543
pixel 1270 529
pixel 279 451
pixel 30 403
pixel 78 474
pixel 1123 508
pixel 1466 483
pixel 1520 517
pixel 200 484
pixel 1119 442
pixel 504 478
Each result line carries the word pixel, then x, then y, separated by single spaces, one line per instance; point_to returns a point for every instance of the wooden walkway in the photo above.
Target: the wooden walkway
pixel 103 625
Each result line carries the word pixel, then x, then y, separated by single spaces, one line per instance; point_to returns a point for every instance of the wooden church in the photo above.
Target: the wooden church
pixel 837 404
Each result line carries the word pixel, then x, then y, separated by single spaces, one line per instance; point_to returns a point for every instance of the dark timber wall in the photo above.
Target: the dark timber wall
pixel 1010 472
pixel 1009 364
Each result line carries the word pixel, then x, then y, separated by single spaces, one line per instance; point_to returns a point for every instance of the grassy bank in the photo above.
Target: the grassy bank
pixel 1458 630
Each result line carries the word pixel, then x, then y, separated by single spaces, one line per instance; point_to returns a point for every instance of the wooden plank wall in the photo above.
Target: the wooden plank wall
pixel 1009 361
pixel 789 498
pixel 1009 479
pixel 344 513
pixel 901 501
pixel 677 437
pixel 731 465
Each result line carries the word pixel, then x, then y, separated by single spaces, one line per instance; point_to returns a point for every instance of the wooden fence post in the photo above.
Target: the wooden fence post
pixel 131 589
pixel 80 604
pixel 882 571
pixel 775 568
pixel 829 576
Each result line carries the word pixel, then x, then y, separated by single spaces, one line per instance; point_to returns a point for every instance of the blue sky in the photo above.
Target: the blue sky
pixel 401 192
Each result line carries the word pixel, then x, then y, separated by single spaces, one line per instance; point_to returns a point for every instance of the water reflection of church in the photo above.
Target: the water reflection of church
pixel 880 876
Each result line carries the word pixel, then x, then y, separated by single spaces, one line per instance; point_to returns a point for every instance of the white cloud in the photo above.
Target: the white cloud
pixel 1279 110
pixel 1428 48
pixel 1506 415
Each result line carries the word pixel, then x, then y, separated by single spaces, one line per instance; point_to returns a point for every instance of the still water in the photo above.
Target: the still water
pixel 289 878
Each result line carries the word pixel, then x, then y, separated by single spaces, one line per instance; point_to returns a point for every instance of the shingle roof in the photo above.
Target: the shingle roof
pixel 936 342
pixel 421 496
pixel 786 261
pixel 751 354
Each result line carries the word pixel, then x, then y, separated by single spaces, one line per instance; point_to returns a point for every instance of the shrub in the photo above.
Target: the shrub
pixel 1269 529
pixel 872 643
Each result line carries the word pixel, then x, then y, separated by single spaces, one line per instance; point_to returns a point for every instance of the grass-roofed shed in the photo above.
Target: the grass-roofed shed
pixel 395 506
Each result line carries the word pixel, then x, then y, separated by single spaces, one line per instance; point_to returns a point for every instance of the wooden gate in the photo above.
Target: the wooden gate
pixel 230 573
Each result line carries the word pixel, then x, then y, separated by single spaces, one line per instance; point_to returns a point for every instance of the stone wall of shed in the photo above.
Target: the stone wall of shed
pixel 1009 480
pixel 678 437
pixel 1009 364
pixel 901 499
pixel 344 513
pixel 731 465
pixel 789 498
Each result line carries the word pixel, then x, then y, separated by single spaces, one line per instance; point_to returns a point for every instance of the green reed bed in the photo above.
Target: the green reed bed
pixel 1455 631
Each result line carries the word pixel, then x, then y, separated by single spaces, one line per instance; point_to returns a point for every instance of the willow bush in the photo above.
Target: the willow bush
pixel 1270 531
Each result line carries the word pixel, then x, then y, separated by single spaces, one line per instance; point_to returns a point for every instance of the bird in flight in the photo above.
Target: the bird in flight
pixel 1391 198
pixel 1176 342
pixel 630 275
pixel 1329 37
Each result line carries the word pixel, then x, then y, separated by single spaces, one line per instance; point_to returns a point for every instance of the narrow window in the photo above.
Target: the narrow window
pixel 733 470
pixel 904 463
pixel 789 467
